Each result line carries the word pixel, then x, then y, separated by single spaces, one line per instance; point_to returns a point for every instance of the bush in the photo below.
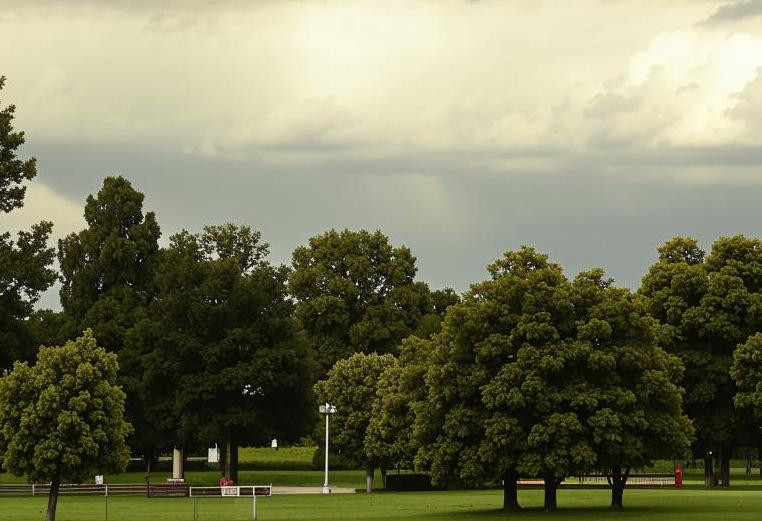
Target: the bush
pixel 408 482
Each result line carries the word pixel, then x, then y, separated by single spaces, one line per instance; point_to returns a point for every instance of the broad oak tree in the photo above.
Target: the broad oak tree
pixel 539 376
pixel 25 259
pixel 223 357
pixel 355 292
pixel 464 438
pixel 638 414
pixel 62 419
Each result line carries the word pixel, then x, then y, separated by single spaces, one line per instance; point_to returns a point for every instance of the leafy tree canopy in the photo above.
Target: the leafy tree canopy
pixel 537 375
pixel 62 418
pixel 222 357
pixel 107 281
pixel 356 293
pixel 747 374
pixel 106 268
pixel 707 305
pixel 401 390
pixel 24 259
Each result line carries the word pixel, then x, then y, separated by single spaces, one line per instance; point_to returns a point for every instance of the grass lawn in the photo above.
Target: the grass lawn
pixel 296 478
pixel 283 458
pixel 667 504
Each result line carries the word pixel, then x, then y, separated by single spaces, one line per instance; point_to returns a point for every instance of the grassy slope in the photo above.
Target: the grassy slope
pixel 668 505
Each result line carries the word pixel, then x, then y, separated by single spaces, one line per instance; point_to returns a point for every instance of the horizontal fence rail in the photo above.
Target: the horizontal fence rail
pixel 232 491
pixel 634 480
pixel 601 481
pixel 167 490
pixel 72 489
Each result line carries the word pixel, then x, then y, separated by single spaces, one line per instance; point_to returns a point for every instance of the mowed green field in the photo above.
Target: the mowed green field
pixel 667 504
pixel 281 478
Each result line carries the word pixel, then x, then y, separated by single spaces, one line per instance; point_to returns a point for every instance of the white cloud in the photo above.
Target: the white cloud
pixel 307 81
pixel 42 202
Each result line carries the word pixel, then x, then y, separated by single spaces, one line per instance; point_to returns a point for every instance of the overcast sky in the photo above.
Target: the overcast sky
pixel 593 130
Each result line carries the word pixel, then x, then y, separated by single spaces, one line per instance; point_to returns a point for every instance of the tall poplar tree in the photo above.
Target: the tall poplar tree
pixel 25 259
pixel 107 281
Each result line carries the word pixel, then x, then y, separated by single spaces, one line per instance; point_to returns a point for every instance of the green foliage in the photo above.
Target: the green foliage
pixel 707 305
pixel 356 293
pixel 62 418
pixel 545 377
pixel 106 268
pixel 351 386
pixel 747 374
pixel 14 172
pixel 465 438
pixel 25 259
pixel 222 354
pixel 638 404
pixel 401 389
pixel 106 274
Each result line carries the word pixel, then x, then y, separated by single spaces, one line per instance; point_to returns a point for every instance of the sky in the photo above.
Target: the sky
pixel 593 130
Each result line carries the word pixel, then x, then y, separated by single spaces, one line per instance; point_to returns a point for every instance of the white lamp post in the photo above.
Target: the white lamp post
pixel 326 409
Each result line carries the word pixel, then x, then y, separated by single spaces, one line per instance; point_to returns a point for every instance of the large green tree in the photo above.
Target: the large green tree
pixel 223 359
pixel 62 419
pixel 355 292
pixel 351 386
pixel 465 437
pixel 107 282
pixel 707 305
pixel 638 414
pixel 539 376
pixel 24 259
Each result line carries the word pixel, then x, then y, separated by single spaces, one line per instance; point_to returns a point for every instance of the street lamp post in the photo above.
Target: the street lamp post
pixel 326 409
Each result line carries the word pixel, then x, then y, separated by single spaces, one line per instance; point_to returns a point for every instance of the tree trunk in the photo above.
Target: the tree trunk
pixel 551 502
pixel 148 459
pixel 369 472
pixel 748 465
pixel 383 477
pixel 53 499
pixel 708 472
pixel 618 481
pixel 510 492
pixel 725 453
pixel 223 459
pixel 233 465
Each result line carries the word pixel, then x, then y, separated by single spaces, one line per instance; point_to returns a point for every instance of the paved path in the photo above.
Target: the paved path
pixel 311 490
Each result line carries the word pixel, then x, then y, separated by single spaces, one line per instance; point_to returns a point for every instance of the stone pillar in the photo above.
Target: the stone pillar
pixel 177 463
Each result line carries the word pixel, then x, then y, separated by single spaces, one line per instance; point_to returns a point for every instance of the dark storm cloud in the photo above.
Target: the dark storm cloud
pixel 582 215
pixel 735 11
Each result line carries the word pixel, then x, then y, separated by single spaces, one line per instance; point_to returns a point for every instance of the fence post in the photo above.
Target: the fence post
pixel 32 489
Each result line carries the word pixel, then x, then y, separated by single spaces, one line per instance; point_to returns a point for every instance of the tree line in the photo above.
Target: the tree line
pixel 528 373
